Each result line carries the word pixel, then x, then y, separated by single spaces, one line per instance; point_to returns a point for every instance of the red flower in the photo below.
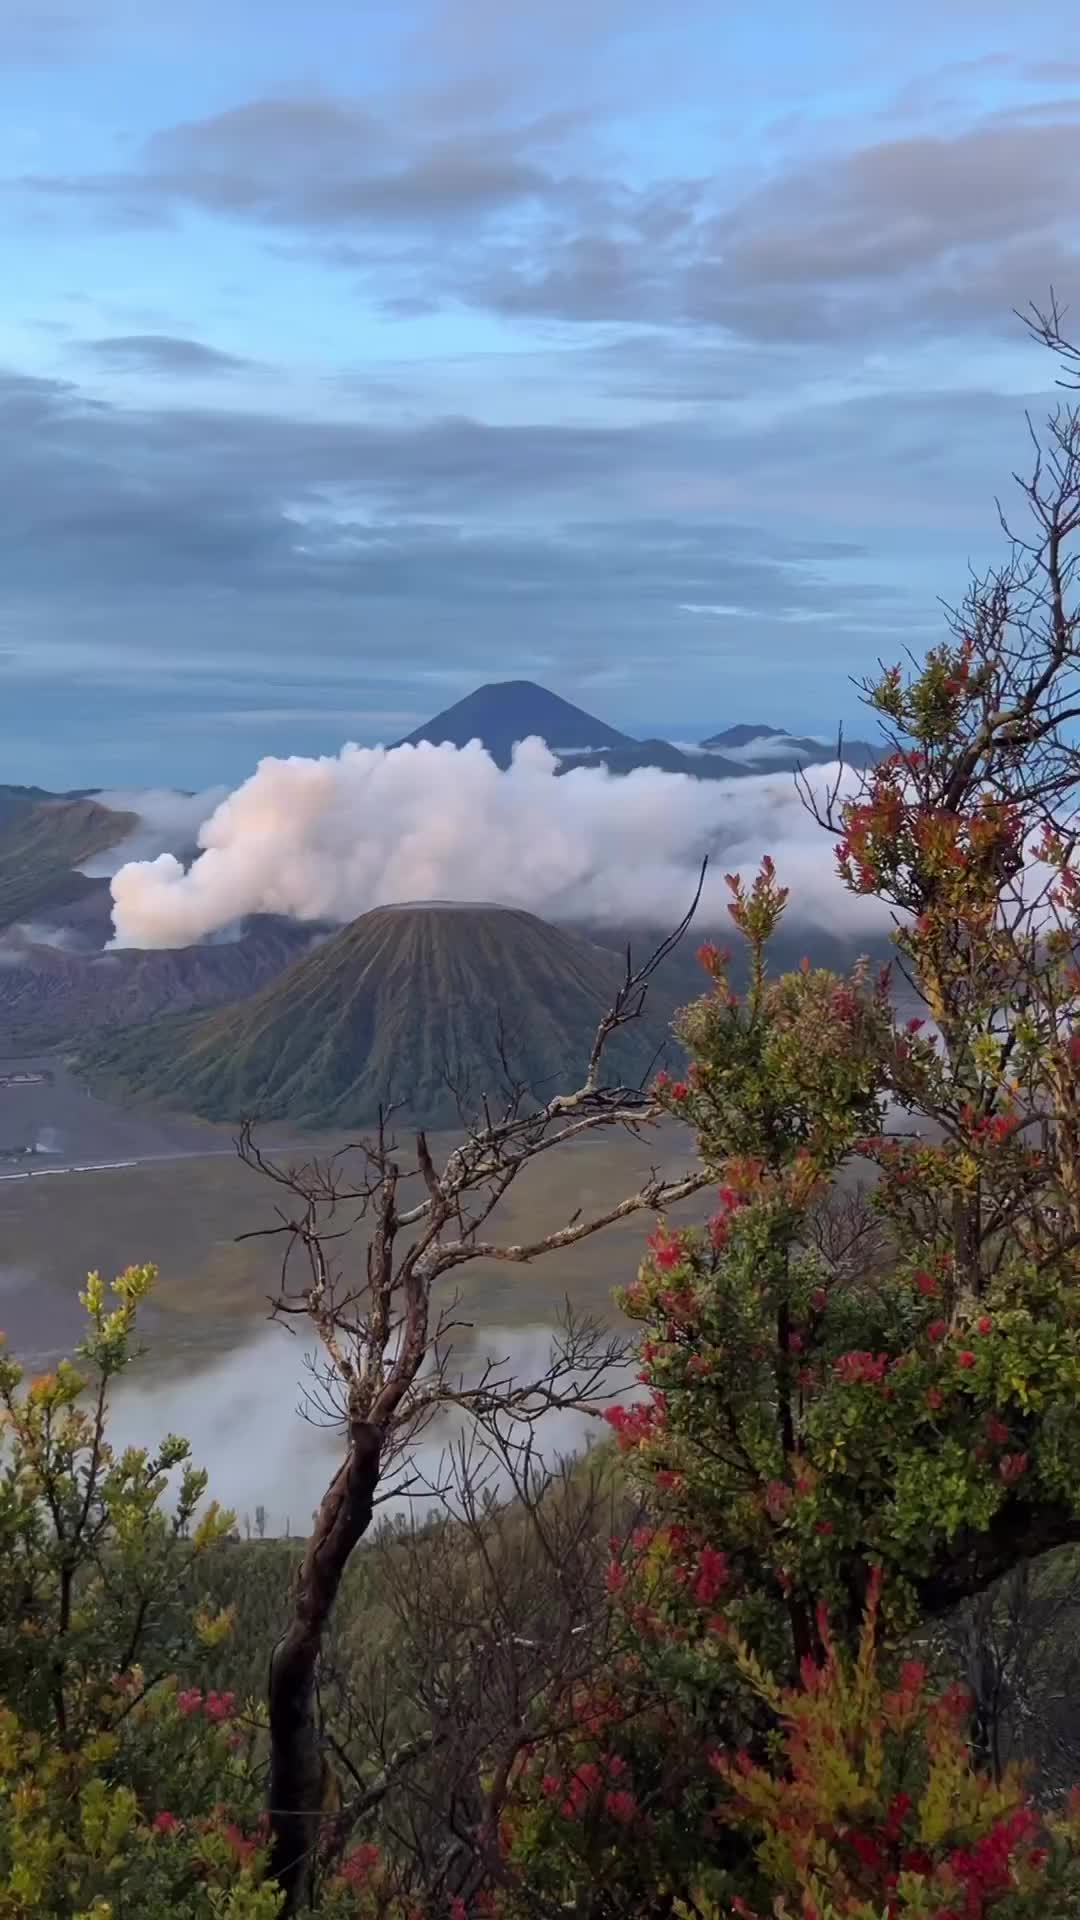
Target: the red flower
pixel 965 1358
pixel 621 1805
pixel 777 1499
pixel 712 1573
pixel 165 1822
pixel 1013 1467
pixel 357 1865
pixel 633 1425
pixel 996 1430
pixel 985 1325
pixel 189 1701
pixel 935 1398
pixel 241 1847
pixel 926 1284
pixel 866 1848
pixel 937 1329
pixel 865 1368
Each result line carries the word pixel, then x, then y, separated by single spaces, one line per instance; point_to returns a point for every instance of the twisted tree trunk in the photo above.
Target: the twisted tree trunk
pixel 296 1758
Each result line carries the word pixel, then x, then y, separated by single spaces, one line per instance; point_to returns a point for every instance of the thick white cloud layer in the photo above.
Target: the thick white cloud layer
pixel 331 838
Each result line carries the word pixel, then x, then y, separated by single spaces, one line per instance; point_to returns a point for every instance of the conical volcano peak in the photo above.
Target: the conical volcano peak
pixel 506 711
pixel 433 1006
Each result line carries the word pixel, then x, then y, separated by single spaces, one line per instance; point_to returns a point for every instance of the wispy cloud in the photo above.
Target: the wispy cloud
pixel 162 353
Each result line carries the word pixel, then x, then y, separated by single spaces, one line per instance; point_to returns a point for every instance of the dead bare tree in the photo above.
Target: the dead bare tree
pixel 1016 1645
pixel 498 1618
pixel 386 1354
pixel 851 1239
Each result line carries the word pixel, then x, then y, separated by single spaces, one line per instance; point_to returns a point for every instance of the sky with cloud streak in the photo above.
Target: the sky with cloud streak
pixel 352 355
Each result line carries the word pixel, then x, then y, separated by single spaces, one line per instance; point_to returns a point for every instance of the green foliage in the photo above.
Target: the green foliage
pixel 114 1779
pixel 94 1570
pixel 77 1839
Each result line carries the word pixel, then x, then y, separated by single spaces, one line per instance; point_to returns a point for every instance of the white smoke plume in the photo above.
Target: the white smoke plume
pixel 331 838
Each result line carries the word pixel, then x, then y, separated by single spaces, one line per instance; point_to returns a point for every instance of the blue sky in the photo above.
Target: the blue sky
pixel 352 355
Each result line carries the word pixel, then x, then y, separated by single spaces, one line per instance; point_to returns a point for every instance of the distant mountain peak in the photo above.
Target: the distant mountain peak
pixel 743 734
pixel 502 712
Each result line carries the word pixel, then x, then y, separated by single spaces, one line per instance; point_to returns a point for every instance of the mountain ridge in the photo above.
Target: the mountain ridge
pixel 51 992
pixel 42 845
pixel 503 712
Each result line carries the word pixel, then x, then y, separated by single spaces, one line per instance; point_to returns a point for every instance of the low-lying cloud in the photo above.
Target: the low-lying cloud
pixel 329 839
pixel 233 1413
pixel 167 822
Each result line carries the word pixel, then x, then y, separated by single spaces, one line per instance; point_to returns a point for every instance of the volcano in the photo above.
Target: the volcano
pixel 506 711
pixel 431 1006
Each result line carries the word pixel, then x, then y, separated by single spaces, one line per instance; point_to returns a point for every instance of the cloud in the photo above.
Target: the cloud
pixel 920 235
pixel 323 167
pixel 42 32
pixel 330 839
pixel 927 206
pixel 160 561
pixel 189 538
pixel 820 241
pixel 1056 72
pixel 168 822
pixel 35 933
pixel 327 163
pixel 244 1417
pixel 162 353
